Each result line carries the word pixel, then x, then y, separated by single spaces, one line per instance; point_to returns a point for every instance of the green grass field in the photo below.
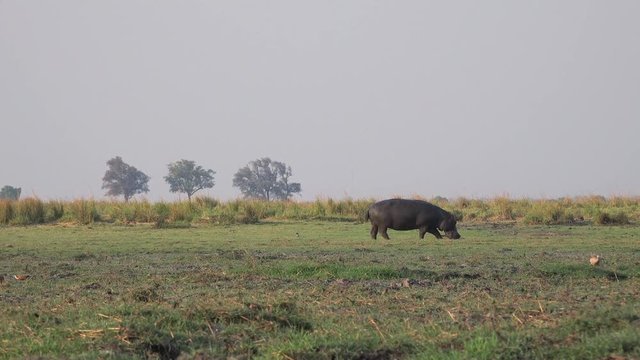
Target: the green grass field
pixel 319 290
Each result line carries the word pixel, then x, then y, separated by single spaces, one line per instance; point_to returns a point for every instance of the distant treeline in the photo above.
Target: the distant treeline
pixel 205 210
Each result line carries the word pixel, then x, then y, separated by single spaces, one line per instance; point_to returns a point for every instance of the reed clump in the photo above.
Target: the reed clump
pixel 6 211
pixel 53 210
pixel 548 213
pixel 613 218
pixel 29 211
pixel 83 212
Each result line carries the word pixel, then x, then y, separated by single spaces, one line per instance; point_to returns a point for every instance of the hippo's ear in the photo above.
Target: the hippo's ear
pixel 447 223
pixel 443 224
pixel 453 219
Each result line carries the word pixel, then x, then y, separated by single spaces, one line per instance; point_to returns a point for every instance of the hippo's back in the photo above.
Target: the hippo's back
pixel 402 214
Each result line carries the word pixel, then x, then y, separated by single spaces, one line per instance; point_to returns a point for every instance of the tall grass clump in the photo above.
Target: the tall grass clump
pixel 221 215
pixel 293 211
pixel 250 212
pixel 182 211
pixel 589 206
pixel 53 211
pixel 83 211
pixel 502 207
pixel 29 211
pixel 328 209
pixel 319 210
pixel 272 209
pixel 111 211
pixel 238 212
pixel 440 201
pixel 548 213
pixel 614 218
pixel 6 211
pixel 140 211
pixel 205 203
pixel 350 209
pixel 161 212
pixel 472 209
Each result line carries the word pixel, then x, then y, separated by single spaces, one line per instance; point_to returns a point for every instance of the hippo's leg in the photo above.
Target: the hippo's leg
pixel 374 231
pixel 435 232
pixel 383 231
pixel 423 230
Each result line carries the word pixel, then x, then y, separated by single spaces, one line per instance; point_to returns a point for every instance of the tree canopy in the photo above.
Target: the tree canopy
pixel 185 177
pixel 266 179
pixel 10 193
pixel 124 179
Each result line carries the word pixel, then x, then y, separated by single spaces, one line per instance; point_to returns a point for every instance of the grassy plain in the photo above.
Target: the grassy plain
pixel 319 290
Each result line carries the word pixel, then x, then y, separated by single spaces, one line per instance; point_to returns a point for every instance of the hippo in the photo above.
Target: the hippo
pixel 400 214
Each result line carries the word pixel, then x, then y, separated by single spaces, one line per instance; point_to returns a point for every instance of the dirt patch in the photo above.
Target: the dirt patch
pixel 147 294
pixel 63 275
pixel 92 286
pixel 233 254
pixel 260 255
pixel 84 256
pixel 283 315
pixel 457 275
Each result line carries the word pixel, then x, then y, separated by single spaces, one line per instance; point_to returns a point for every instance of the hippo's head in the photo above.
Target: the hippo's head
pixel 448 225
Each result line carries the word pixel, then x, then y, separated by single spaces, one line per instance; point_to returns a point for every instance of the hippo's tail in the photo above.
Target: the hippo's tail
pixel 366 215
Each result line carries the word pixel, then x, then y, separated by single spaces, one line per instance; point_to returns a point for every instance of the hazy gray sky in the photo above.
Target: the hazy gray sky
pixel 361 98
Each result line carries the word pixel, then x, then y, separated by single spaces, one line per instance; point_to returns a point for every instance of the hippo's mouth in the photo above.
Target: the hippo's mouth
pixel 452 234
